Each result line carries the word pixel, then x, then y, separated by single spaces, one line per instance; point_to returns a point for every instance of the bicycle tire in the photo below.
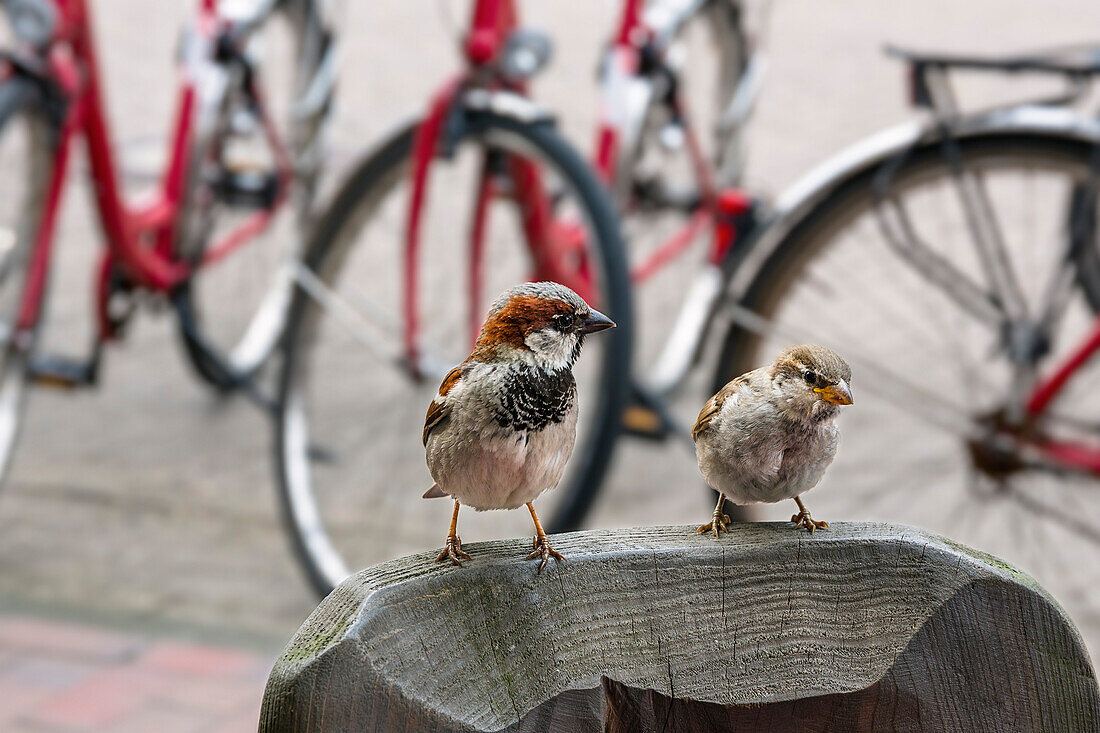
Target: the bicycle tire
pixel 971 513
pixel 361 185
pixel 20 96
pixel 224 365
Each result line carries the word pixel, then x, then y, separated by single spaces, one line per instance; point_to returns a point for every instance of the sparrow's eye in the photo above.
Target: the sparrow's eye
pixel 564 321
pixel 812 378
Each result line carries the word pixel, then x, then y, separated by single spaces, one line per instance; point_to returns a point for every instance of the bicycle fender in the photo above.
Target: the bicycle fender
pixel 506 103
pixel 797 201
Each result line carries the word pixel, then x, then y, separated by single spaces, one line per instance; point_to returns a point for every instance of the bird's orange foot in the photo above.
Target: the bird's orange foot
pixel 545 551
pixel 717 525
pixel 803 519
pixel 453 550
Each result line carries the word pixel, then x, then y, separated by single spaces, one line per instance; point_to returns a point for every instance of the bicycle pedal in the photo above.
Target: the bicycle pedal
pixel 643 422
pixel 253 189
pixel 61 372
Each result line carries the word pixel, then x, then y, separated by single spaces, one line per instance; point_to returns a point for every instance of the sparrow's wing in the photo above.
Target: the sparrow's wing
pixel 437 411
pixel 714 405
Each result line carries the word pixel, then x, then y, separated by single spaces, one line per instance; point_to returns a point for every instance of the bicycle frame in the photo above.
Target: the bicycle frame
pixel 141 238
pixel 626 93
pixel 548 238
pixel 931 88
pixel 492 24
pixel 619 127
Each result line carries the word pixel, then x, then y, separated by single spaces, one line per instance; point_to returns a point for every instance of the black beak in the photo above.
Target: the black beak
pixel 596 321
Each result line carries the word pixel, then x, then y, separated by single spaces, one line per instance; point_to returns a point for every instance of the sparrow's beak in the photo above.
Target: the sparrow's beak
pixel 596 322
pixel 836 394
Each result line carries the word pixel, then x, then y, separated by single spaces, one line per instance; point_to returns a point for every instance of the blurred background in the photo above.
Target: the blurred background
pixel 139 520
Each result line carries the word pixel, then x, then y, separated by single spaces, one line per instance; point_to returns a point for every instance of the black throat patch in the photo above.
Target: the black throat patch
pixel 534 398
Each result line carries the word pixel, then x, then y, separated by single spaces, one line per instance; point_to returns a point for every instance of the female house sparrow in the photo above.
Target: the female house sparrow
pixel 502 427
pixel 770 434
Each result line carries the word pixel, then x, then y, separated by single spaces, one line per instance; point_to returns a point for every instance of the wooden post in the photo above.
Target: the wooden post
pixel 864 627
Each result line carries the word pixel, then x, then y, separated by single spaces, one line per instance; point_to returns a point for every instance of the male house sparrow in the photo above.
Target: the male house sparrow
pixel 502 427
pixel 769 434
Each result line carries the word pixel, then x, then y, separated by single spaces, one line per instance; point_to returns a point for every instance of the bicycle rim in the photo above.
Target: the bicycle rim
pixel 25 158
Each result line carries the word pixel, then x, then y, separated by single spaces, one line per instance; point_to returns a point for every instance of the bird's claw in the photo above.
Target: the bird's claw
pixel 545 551
pixel 803 519
pixel 453 550
pixel 717 525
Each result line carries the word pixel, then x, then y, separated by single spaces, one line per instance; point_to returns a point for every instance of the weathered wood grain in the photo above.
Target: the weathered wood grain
pixel 865 627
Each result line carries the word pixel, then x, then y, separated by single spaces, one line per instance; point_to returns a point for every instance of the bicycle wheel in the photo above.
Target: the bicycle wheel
pixel 235 307
pixel 931 380
pixel 26 156
pixel 351 466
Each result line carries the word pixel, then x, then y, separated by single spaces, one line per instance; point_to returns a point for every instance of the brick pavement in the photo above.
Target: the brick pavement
pixel 62 676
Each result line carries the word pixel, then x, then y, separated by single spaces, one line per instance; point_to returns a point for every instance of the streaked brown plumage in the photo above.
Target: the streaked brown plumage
pixel 770 434
pixel 501 428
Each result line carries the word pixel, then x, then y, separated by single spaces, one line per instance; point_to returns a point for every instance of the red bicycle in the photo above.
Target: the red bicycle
pixel 232 172
pixel 447 212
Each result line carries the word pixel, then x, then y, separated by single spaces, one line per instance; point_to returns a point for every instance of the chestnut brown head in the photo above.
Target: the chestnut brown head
pixel 542 323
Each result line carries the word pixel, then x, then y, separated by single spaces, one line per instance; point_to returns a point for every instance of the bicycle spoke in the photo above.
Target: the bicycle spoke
pixel 1083 529
pixel 960 520
pixel 361 327
pixel 989 239
pixel 875 378
pixel 1041 564
pixel 924 326
pixel 323 454
pixel 8 240
pixel 887 302
pixel 937 270
pixel 364 461
pixel 881 455
pixel 1053 299
pixel 875 491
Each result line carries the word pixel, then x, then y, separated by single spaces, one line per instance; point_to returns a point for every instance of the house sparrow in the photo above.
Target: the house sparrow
pixel 501 429
pixel 770 434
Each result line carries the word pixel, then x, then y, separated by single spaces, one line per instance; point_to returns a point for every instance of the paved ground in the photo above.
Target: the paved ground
pixel 150 501
pixel 67 677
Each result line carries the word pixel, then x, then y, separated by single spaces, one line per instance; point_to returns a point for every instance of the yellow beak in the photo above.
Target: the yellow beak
pixel 836 394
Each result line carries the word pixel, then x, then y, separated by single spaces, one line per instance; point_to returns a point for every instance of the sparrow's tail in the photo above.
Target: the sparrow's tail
pixel 434 493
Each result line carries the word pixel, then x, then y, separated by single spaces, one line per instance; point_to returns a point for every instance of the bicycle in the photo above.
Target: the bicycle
pixel 229 177
pixel 385 303
pixel 954 262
